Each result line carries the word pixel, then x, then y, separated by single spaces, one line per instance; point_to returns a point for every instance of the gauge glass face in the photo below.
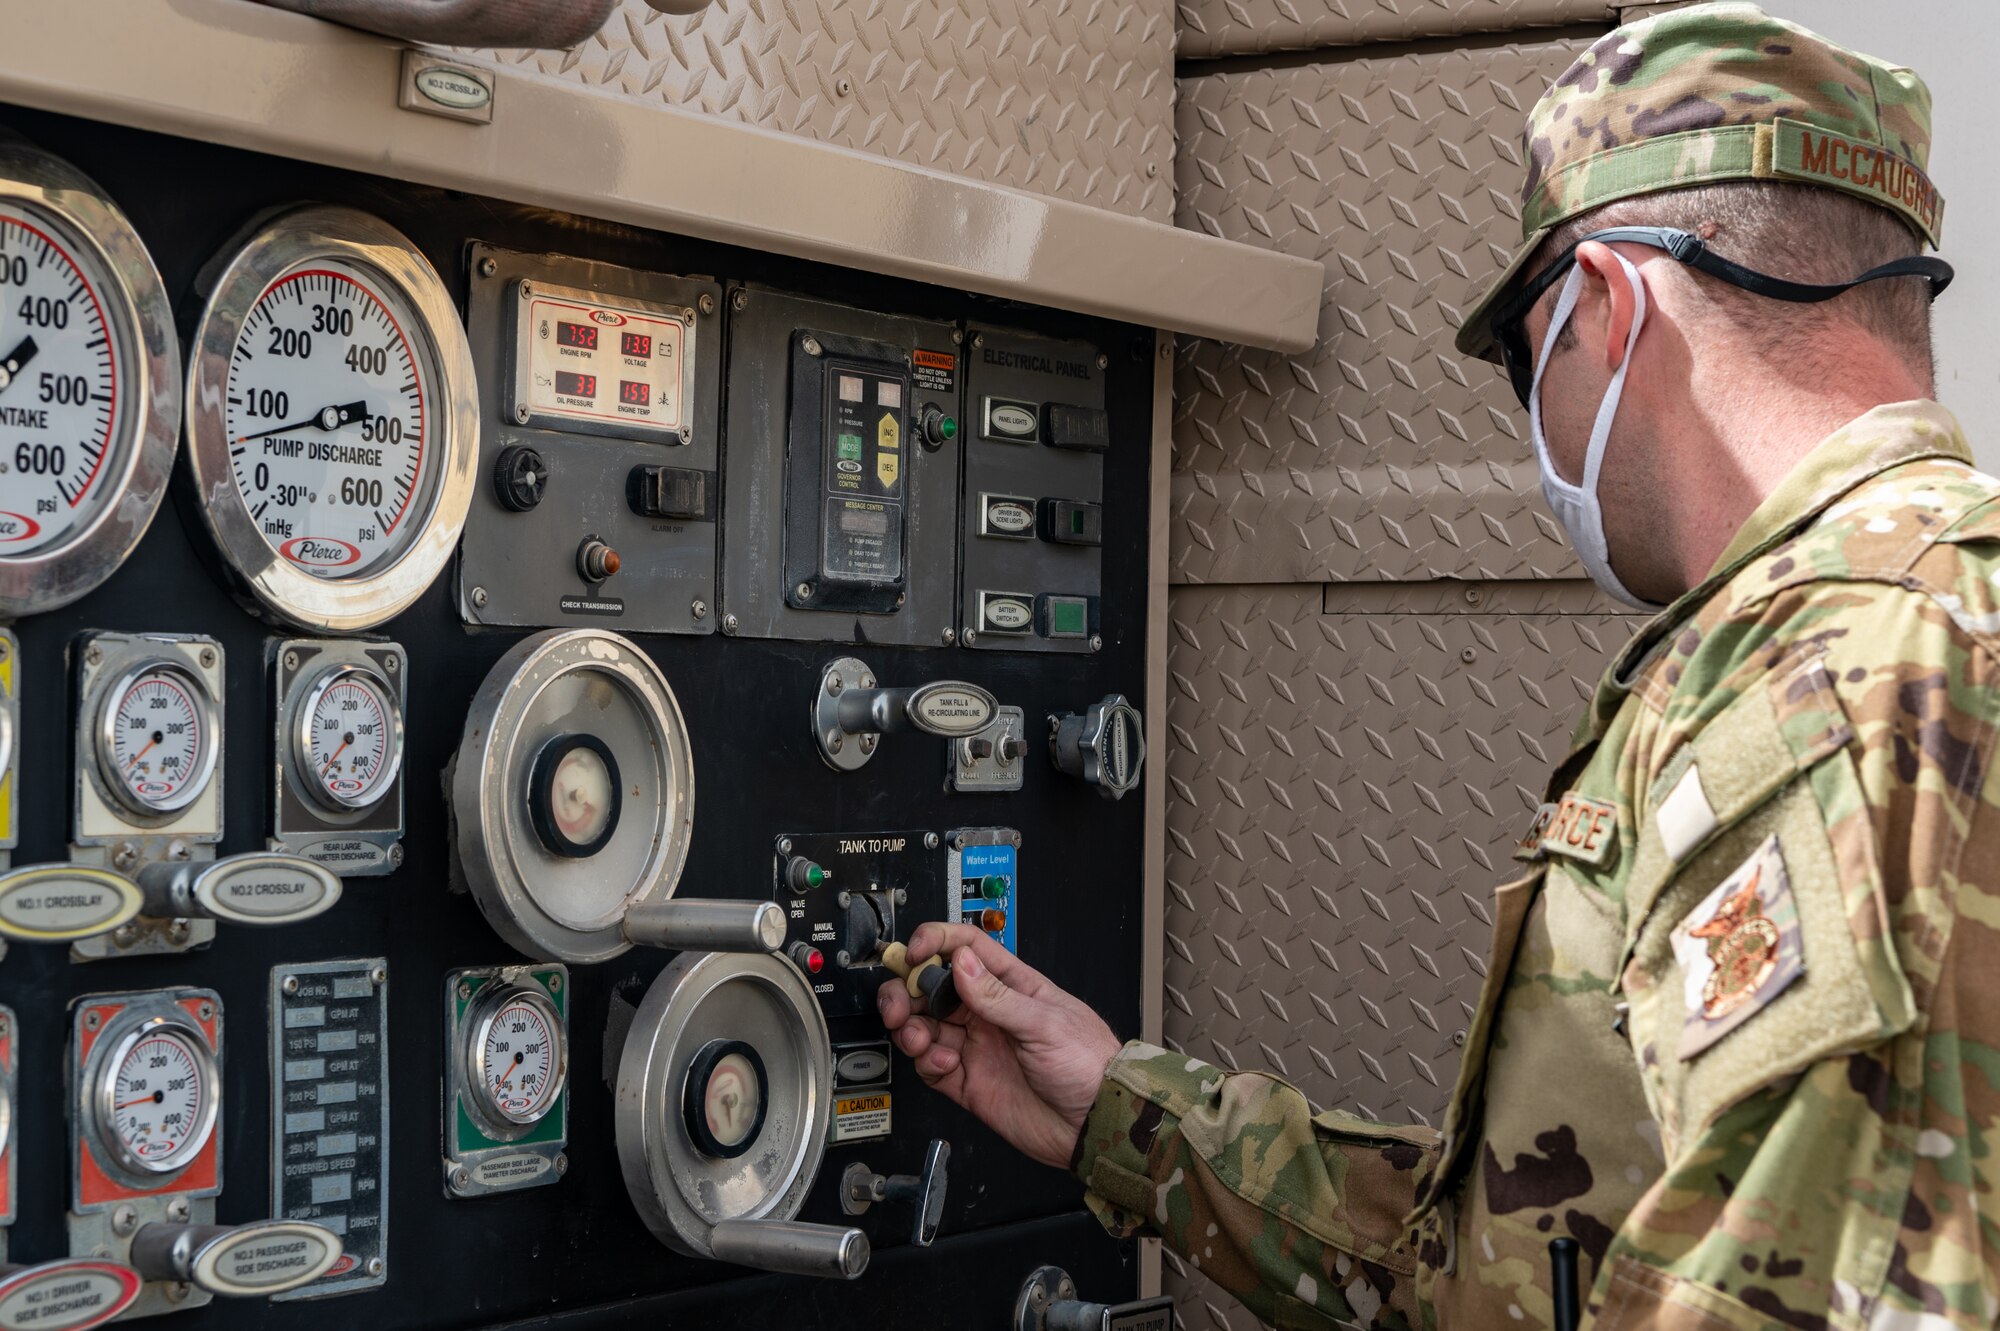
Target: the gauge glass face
pixel 522 1062
pixel 731 1100
pixel 159 1104
pixel 158 726
pixel 351 739
pixel 330 407
pixel 63 382
pixel 580 795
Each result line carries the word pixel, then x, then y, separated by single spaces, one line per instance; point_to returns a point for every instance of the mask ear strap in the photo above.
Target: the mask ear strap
pixel 1572 291
pixel 1600 430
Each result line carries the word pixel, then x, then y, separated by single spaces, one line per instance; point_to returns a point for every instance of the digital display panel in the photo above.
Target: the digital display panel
pixel 637 345
pixel 601 366
pixel 633 393
pixel 581 336
pixel 577 385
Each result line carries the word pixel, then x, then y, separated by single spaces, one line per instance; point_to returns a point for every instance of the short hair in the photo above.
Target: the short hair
pixel 1807 233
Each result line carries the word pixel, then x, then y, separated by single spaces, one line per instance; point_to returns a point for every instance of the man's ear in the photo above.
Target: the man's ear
pixel 1601 268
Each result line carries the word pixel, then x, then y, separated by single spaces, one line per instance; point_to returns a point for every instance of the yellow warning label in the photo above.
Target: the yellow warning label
pixel 858 1117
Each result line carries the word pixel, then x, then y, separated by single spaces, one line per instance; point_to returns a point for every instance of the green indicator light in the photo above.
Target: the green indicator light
pixel 1076 522
pixel 948 428
pixel 1067 616
pixel 814 875
pixel 994 887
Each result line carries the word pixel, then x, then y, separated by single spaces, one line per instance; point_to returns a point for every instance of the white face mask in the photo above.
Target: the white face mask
pixel 1576 506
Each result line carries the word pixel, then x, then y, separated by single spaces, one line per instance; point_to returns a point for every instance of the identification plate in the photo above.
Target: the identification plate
pixel 330 1113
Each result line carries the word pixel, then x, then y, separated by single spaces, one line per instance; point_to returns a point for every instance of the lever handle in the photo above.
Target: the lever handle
pixel 262 1257
pixel 1048 1302
pixel 261 887
pixel 925 1190
pixel 930 981
pixel 699 925
pixel 851 712
pixel 791 1246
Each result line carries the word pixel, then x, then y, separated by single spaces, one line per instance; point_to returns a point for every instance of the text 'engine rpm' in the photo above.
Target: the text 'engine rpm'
pixel 521 1062
pixel 58 386
pixel 352 746
pixel 326 413
pixel 159 740
pixel 159 1100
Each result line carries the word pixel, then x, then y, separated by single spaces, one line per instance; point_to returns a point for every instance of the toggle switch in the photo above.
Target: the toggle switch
pixel 258 887
pixel 1085 428
pixel 930 981
pixel 861 1187
pixel 1104 745
pixel 263 1257
pixel 668 492
pixel 1048 1302
pixel 595 560
pixel 1070 522
pixel 851 714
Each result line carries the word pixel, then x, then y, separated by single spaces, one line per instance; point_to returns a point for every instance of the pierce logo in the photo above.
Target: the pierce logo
pixel 18 527
pixel 320 552
pixel 607 317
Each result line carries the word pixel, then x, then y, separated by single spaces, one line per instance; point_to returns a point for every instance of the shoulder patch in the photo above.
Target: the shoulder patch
pixel 1581 829
pixel 1530 846
pixel 1738 948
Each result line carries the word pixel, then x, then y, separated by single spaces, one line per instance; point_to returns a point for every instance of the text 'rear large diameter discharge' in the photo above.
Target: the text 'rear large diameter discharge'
pixel 332 419
pixel 89 384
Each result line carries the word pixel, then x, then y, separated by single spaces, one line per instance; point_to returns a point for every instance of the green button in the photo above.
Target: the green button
pixel 1069 618
pixel 949 429
pixel 994 887
pixel 849 447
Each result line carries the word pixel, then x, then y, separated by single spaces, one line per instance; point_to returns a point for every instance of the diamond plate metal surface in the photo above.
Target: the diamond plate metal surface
pixel 1070 98
pixel 1381 453
pixel 1348 769
pixel 1246 27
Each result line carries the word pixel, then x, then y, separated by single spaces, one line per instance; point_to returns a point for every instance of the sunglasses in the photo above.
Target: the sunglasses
pixel 1510 320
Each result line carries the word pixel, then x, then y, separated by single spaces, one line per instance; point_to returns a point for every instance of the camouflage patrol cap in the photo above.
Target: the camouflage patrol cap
pixel 1716 92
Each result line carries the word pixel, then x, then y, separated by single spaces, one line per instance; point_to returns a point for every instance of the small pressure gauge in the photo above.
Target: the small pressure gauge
pixel 347 741
pixel 156 1097
pixel 516 1058
pixel 156 738
pixel 332 419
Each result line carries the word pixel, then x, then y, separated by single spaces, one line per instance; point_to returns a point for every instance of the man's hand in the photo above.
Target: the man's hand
pixel 1020 1053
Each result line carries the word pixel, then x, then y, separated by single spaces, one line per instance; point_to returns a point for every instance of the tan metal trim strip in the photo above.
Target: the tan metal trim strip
pixel 1153 893
pixel 260 78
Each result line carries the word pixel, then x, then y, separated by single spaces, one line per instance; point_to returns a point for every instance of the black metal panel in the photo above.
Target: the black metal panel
pixel 577 1244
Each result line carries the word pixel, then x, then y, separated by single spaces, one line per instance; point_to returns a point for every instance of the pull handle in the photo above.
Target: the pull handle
pixel 861 1188
pixel 236 1261
pixel 261 888
pixel 930 981
pixel 851 711
pixel 1048 1302
pixel 791 1246
pixel 700 925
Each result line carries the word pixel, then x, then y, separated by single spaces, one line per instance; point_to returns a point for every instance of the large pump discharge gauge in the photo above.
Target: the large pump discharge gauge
pixel 332 419
pixel 89 384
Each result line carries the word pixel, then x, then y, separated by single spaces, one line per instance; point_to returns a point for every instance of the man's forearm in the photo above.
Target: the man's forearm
pixel 1286 1210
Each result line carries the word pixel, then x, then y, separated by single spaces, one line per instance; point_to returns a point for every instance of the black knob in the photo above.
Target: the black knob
pixel 520 478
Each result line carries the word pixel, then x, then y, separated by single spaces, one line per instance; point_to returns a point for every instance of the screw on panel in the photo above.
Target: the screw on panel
pixel 868 744
pixel 520 413
pixel 527 290
pixel 392 663
pixel 784 845
pixel 177 1209
pixel 125 856
pixel 206 1011
pixel 125 935
pixel 868 681
pixel 902 597
pixel 707 303
pixel 844 899
pixel 1103 361
pixel 1458 1037
pixel 92 1020
pixel 177 931
pixel 740 300
pixel 396 855
pixel 479 596
pixel 1473 596
pixel 207 657
pixel 979 339
pixel 3 649
pixel 950 635
pixel 380 975
pixel 812 346
pixel 124 1220
pixel 835 741
pixel 958 843
pixel 374 1266
pixel 290 984
pixel 804 590
pixel 843 959
pixel 1096 643
pixel 1469 655
pixel 179 850
pixel 1015 837
pixel 464 989
pixel 931 840
pixel 93 655
pixel 461 1178
pixel 971 637
pixel 902 896
pixel 699 609
pixel 687 314
pixel 487 267
pixel 555 984
pixel 562 1162
pixel 178 1291
pixel 844 86
pixel 729 623
pixel 832 685
pixel 1152 168
pixel 291 660
pixel 957 336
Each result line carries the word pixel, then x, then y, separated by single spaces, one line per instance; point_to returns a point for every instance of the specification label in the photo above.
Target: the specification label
pixel 330 1112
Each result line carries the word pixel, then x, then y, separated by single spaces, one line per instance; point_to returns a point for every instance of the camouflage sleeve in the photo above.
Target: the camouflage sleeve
pixel 1826 1103
pixel 1299 1216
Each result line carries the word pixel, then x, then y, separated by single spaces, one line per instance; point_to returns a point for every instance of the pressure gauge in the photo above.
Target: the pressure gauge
pixel 156 1097
pixel 89 384
pixel 156 738
pixel 332 419
pixel 517 1056
pixel 349 740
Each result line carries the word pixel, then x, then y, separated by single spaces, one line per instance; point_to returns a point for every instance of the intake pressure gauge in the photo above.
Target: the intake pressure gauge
pixel 156 738
pixel 156 1097
pixel 89 384
pixel 349 739
pixel 518 1058
pixel 332 419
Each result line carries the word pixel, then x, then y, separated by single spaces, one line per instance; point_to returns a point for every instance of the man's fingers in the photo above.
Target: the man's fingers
pixel 937 1061
pixel 915 1035
pixel 987 997
pixel 892 1000
pixel 956 939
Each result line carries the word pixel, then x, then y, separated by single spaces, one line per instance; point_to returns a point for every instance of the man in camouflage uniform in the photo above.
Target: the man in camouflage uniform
pixel 1740 1031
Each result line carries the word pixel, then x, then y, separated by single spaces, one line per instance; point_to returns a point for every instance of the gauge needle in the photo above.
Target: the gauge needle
pixel 335 755
pixel 17 359
pixel 155 1098
pixel 143 752
pixel 518 1059
pixel 326 418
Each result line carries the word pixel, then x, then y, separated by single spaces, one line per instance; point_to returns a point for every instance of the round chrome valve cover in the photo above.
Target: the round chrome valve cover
pixel 724 1094
pixel 573 791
